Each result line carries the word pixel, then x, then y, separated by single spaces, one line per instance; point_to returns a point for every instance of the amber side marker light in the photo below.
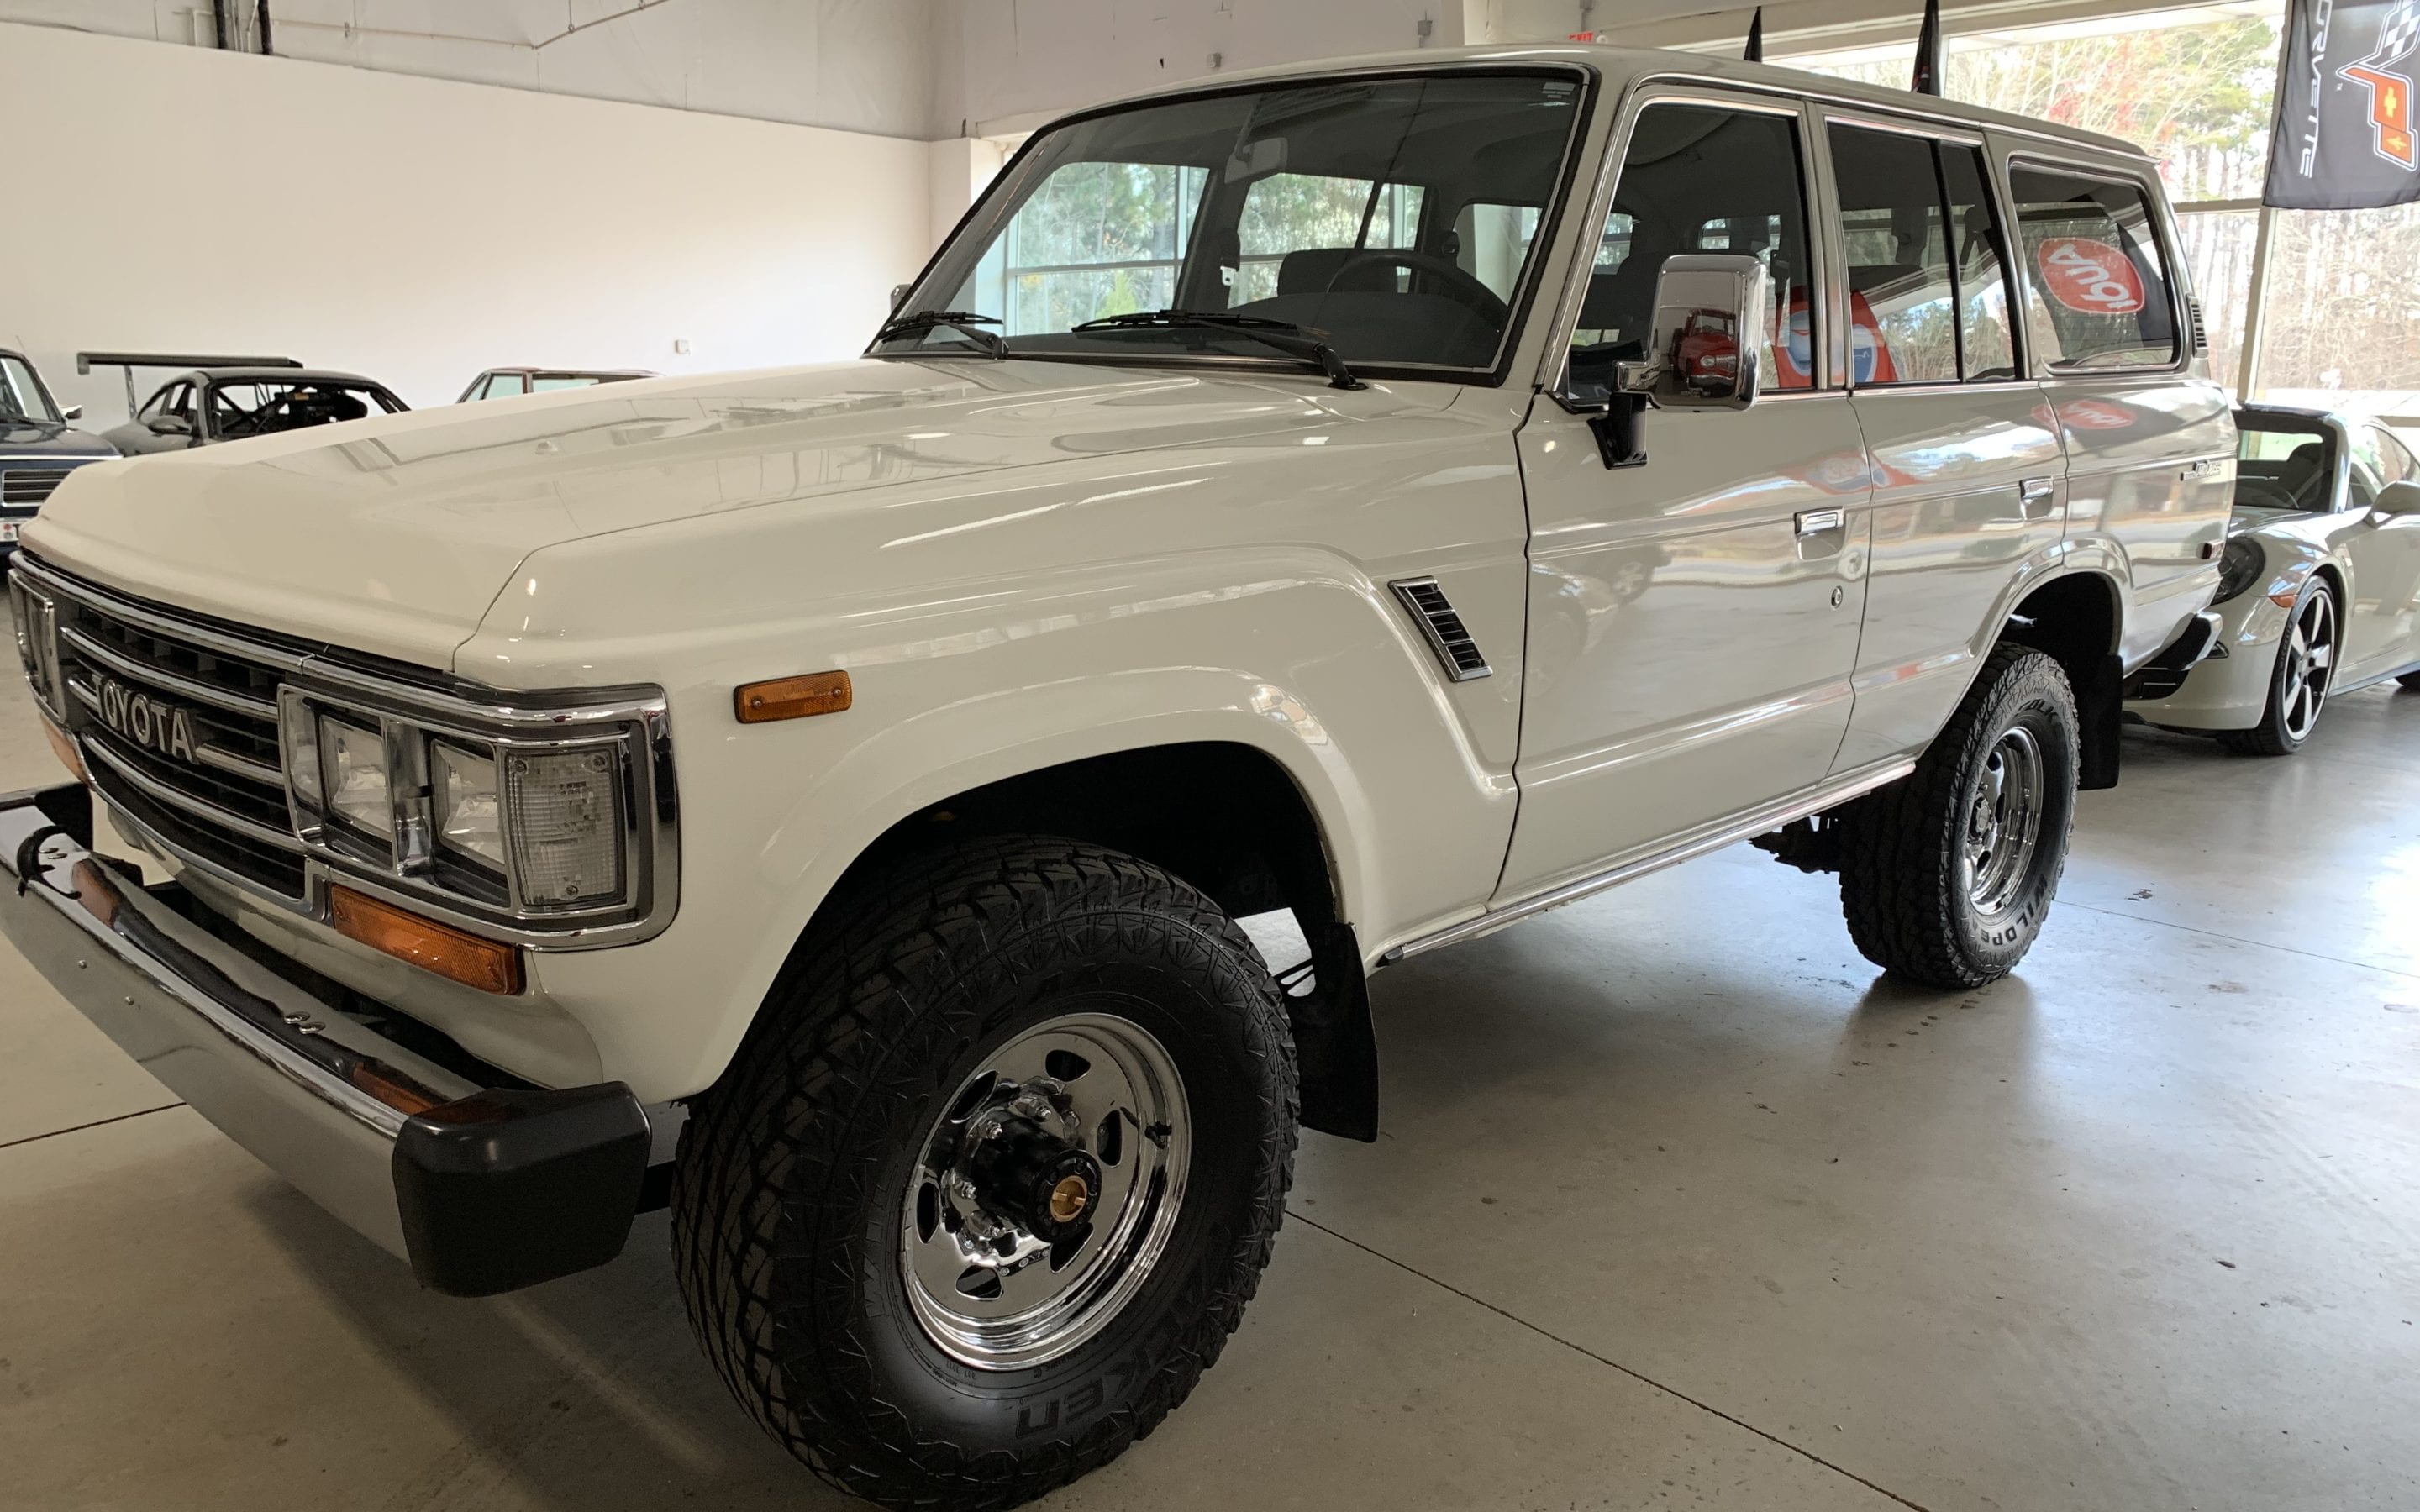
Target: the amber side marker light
pixel 64 748
pixel 791 697
pixel 439 947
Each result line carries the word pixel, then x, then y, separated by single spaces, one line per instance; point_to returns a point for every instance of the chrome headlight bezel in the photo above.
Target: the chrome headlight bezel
pixel 33 620
pixel 623 741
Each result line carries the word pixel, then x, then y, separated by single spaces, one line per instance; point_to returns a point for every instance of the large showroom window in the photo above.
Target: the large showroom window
pixel 2337 330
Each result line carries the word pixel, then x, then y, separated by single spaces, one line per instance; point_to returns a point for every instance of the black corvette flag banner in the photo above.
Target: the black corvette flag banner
pixel 2344 134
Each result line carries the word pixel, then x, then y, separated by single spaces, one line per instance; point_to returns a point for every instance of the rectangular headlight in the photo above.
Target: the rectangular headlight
pixel 563 820
pixel 470 823
pixel 352 775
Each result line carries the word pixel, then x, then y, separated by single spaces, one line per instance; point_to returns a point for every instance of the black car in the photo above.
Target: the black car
pixel 37 448
pixel 225 404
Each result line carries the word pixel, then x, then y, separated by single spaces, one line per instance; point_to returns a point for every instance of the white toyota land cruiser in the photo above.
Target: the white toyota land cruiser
pixel 1415 493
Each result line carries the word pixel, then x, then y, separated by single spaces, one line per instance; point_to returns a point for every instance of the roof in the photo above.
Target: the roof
pixel 274 374
pixel 1625 65
pixel 2298 411
pixel 574 372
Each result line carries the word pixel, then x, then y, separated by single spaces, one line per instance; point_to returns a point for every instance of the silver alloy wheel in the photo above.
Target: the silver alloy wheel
pixel 2003 822
pixel 1104 1095
pixel 2310 657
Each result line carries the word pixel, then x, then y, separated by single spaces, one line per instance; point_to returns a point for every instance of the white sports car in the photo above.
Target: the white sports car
pixel 2320 591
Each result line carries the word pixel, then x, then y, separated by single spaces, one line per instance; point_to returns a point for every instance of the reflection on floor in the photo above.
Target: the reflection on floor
pixel 1678 1204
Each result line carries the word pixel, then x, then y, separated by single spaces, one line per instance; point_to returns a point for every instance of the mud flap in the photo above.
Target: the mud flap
pixel 2100 703
pixel 1336 1049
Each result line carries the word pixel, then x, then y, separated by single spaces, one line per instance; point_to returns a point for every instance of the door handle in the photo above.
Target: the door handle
pixel 1816 521
pixel 2034 491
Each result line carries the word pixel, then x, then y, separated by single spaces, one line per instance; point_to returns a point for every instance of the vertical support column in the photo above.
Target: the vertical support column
pixel 2256 309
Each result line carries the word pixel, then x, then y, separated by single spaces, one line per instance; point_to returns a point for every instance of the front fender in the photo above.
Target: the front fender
pixel 773 815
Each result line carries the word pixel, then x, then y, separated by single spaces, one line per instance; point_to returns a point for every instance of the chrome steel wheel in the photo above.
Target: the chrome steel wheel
pixel 2310 656
pixel 2004 820
pixel 1046 1191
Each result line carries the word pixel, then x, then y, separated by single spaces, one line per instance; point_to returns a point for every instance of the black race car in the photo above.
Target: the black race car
pixel 225 404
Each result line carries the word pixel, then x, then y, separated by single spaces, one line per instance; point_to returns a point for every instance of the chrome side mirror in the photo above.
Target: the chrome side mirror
pixel 73 411
pixel 2399 499
pixel 899 296
pixel 1705 348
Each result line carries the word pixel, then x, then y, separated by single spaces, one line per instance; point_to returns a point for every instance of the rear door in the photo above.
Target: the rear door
pixel 2150 442
pixel 1968 473
pixel 1693 618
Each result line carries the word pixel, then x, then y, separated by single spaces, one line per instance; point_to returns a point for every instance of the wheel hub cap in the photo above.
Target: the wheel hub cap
pixel 2003 822
pixel 1045 1192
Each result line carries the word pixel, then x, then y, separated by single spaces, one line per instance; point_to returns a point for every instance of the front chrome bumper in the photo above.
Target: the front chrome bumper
pixel 483 1187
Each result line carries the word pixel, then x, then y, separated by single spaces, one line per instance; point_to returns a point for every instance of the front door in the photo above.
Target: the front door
pixel 1968 471
pixel 1692 618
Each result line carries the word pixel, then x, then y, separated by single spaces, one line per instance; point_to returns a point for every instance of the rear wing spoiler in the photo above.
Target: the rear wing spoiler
pixel 86 362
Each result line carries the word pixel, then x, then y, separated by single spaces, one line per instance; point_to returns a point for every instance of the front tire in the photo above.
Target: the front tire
pixel 989 1186
pixel 2298 683
pixel 1946 876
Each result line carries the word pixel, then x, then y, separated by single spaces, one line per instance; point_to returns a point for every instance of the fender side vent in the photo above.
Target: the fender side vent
pixel 2193 312
pixel 1448 635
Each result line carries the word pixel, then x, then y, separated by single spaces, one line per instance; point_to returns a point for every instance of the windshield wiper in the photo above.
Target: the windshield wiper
pixel 964 322
pixel 1284 335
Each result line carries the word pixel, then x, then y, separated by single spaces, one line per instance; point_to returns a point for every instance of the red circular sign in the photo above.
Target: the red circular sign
pixel 2090 277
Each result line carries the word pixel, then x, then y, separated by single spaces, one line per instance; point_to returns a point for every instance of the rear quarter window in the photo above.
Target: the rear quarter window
pixel 2099 282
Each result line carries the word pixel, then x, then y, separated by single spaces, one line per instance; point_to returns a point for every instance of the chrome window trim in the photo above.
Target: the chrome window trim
pixel 634 722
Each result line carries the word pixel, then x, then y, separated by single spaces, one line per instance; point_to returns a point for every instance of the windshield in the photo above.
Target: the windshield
pixel 2284 461
pixel 1392 218
pixel 22 397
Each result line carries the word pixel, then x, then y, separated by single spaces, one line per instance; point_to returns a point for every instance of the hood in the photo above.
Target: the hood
pixel 31 442
pixel 392 535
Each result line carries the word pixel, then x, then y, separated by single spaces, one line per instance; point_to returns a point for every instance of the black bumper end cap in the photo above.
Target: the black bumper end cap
pixel 509 1187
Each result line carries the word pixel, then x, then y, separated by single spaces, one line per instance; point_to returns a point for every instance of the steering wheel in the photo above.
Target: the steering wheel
pixel 2263 493
pixel 1460 285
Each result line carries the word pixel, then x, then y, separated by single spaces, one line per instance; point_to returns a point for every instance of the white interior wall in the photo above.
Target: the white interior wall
pixel 418 230
pixel 1005 66
pixel 855 64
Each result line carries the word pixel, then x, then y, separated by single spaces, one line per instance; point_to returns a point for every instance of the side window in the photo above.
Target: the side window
pixel 1927 288
pixel 2376 445
pixel 2099 294
pixel 1294 212
pixel 550 382
pixel 1894 228
pixel 1699 179
pixel 1986 347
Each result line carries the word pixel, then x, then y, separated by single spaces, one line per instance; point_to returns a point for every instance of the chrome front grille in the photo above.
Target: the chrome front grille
pixel 183 735
pixel 22 487
pixel 179 723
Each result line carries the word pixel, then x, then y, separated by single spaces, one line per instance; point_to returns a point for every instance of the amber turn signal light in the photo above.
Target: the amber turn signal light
pixel 63 746
pixel 448 952
pixel 791 697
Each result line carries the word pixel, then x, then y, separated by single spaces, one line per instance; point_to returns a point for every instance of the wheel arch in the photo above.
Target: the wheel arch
pixel 2078 619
